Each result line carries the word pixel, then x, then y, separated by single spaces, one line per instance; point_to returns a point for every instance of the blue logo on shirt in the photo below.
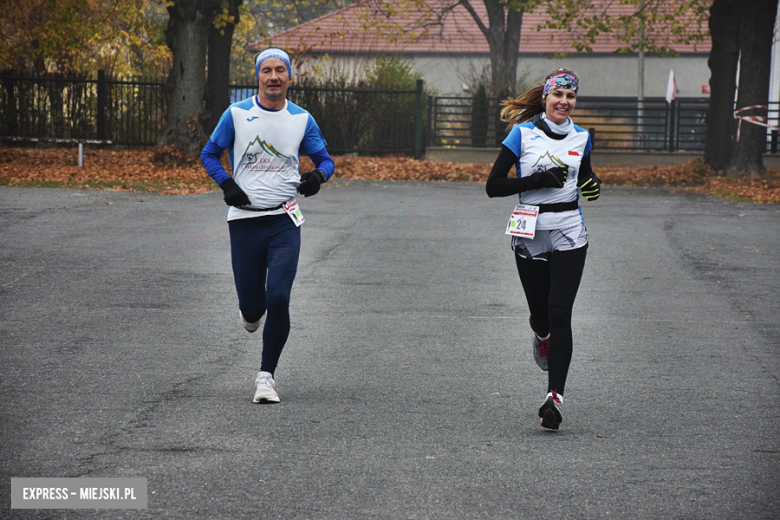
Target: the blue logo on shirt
pixel 252 118
pixel 534 137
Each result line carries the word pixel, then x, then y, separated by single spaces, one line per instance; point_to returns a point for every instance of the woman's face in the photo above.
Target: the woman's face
pixel 559 104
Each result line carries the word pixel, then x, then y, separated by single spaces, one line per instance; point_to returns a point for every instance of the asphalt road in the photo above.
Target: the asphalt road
pixel 408 386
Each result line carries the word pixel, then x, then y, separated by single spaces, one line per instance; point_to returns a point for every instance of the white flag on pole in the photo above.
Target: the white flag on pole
pixel 671 87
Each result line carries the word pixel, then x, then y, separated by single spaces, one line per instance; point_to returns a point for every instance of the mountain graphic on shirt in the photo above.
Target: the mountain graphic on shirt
pixel 550 158
pixel 267 147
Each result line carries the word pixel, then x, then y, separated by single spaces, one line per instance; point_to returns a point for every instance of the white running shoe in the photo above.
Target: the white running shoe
pixel 250 327
pixel 264 389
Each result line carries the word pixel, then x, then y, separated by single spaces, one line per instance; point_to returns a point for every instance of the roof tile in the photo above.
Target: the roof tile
pixel 354 29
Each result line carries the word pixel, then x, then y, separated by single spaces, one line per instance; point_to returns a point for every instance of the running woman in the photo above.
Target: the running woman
pixel 265 135
pixel 551 156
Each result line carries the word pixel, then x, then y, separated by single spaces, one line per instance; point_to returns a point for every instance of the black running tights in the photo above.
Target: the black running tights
pixel 550 288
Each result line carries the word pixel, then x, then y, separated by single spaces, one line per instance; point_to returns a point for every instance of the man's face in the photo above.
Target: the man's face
pixel 273 79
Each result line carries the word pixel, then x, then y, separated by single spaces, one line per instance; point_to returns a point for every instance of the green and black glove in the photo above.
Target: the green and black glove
pixel 552 178
pixel 590 188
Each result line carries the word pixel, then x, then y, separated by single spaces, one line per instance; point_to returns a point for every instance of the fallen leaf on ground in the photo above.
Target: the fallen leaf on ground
pixel 133 170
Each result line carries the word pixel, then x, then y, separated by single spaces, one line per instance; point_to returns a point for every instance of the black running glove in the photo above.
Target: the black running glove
pixel 591 188
pixel 552 178
pixel 310 183
pixel 234 196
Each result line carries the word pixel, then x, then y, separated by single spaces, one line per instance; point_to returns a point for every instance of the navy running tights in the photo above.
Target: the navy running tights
pixel 550 288
pixel 264 252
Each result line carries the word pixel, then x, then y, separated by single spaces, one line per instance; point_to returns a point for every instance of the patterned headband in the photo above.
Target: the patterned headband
pixel 279 54
pixel 557 81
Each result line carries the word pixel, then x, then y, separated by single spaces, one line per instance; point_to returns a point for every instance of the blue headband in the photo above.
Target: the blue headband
pixel 557 81
pixel 279 54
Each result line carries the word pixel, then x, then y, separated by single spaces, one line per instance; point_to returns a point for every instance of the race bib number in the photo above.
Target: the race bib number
pixel 522 222
pixel 291 207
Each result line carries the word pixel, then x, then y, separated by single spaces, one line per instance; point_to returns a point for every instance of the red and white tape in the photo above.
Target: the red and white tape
pixel 756 120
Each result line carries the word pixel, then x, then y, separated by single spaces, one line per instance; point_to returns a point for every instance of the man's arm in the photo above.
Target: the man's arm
pixel 313 145
pixel 324 168
pixel 210 157
pixel 323 162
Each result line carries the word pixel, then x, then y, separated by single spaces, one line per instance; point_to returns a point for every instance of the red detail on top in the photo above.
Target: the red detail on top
pixel 573 153
pixel 543 345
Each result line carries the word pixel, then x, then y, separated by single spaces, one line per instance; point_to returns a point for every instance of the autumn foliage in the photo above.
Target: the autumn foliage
pixel 134 170
pixel 79 37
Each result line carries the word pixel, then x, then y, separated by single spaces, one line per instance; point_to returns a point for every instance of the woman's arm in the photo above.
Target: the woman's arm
pixel 587 182
pixel 499 185
pixel 586 170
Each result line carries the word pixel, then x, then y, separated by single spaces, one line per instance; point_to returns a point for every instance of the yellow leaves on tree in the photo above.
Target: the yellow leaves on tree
pixel 79 36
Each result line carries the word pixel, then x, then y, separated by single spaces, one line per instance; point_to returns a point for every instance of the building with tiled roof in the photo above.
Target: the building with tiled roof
pixel 451 51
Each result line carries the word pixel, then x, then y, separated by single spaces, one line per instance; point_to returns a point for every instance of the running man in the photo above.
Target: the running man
pixel 264 136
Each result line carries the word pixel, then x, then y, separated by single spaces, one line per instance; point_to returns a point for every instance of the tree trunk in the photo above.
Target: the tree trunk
pixel 755 35
pixel 723 62
pixel 503 36
pixel 504 47
pixel 187 38
pixel 218 83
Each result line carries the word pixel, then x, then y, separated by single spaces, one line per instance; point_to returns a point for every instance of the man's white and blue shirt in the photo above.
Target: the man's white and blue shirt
pixel 264 148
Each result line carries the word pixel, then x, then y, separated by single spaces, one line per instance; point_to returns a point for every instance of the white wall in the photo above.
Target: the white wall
pixel 600 75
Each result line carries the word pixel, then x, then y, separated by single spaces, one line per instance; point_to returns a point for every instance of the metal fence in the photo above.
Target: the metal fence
pixel 366 122
pixel 360 121
pixel 614 123
pixel 132 112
